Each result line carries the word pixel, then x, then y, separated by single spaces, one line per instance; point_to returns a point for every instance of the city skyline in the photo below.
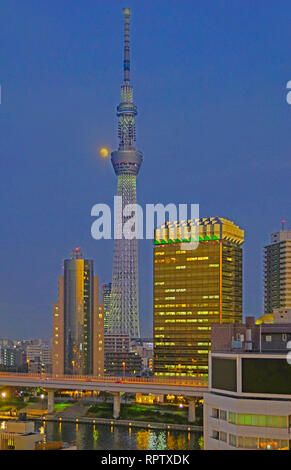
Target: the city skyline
pixel 149 313
pixel 243 166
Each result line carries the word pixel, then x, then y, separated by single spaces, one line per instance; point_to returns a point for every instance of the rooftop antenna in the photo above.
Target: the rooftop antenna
pixel 77 253
pixel 283 224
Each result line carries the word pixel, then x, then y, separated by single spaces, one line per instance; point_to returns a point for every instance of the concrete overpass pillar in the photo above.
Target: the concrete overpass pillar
pixel 51 401
pixel 116 405
pixel 191 411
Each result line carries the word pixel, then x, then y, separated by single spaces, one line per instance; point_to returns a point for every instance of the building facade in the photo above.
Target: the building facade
pixel 10 358
pixel 144 348
pixel 106 300
pixel 122 364
pixel 126 161
pixel 19 435
pixel 39 358
pixel 193 289
pixel 116 343
pixel 78 324
pixel 249 400
pixel 277 272
pixel 119 359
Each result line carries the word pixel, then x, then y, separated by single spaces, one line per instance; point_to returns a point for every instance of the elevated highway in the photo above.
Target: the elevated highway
pixel 189 387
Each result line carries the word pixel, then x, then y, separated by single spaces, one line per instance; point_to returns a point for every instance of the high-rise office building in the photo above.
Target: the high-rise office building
pixel 78 320
pixel 277 272
pixel 106 300
pixel 194 288
pixel 126 161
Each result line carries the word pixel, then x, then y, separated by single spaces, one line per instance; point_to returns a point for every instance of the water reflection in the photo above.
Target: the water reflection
pixel 100 437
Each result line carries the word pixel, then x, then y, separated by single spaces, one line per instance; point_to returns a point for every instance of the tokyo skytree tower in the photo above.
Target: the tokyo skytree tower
pixel 126 161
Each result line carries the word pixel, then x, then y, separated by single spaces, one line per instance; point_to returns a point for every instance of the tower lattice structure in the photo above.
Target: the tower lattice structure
pixel 126 161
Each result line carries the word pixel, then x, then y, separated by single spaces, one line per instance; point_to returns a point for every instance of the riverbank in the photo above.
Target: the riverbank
pixel 124 422
pixel 81 412
pixel 164 414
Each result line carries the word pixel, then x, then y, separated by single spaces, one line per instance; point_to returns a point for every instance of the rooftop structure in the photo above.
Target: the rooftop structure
pixel 19 435
pixel 251 337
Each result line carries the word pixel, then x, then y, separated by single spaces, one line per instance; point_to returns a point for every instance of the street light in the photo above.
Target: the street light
pixel 123 366
pixel 3 395
pixel 42 397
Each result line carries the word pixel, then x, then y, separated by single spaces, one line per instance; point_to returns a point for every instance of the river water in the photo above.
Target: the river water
pixel 107 437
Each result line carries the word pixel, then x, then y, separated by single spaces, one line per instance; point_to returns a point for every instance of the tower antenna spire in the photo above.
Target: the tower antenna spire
pixel 126 60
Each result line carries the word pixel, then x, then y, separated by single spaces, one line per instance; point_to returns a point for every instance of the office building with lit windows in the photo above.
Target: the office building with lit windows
pixel 78 329
pixel 106 300
pixel 10 358
pixel 277 272
pixel 194 288
pixel 249 399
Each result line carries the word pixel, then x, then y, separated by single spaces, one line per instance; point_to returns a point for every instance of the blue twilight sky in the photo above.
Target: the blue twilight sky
pixel 214 126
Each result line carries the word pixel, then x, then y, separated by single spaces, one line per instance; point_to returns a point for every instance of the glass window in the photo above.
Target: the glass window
pixel 223 415
pixel 223 436
pixel 232 417
pixel 250 442
pixel 259 420
pixel 215 434
pixel 245 442
pixel 232 440
pixel 273 444
pixel 215 413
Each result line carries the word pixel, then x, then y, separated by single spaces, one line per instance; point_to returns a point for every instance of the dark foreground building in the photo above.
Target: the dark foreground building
pixel 249 400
